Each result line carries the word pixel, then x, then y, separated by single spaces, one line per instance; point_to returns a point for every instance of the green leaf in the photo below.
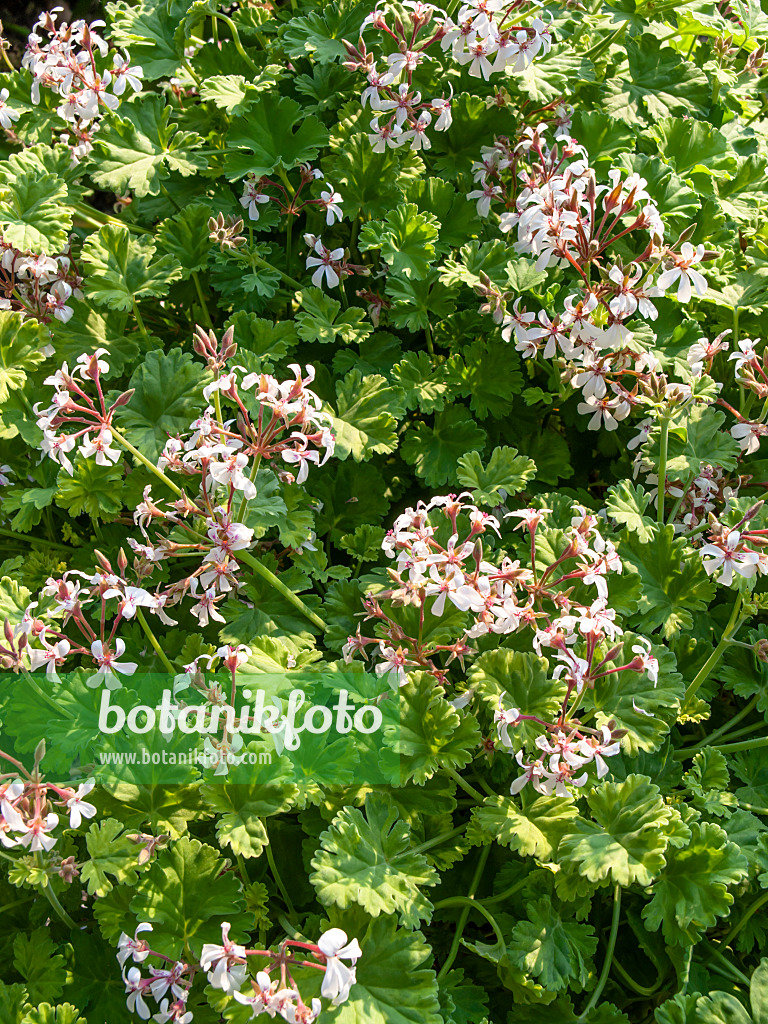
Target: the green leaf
pixel 148 30
pixel 696 438
pixel 320 33
pixel 694 148
pixel 431 734
pixel 531 831
pixel 405 239
pixel 364 544
pixel 660 83
pixel 241 808
pixel 692 890
pixel 365 417
pixel 185 237
pixel 320 320
pixel 626 842
pixel 166 399
pixel 275 135
pixel 263 337
pixel 138 148
pixel 506 474
pixel 186 897
pixel 486 372
pixel 743 194
pixel 92 489
pixel 394 984
pixel 123 269
pixel 33 213
pixel 65 1013
pixel 434 451
pixel 422 386
pixel 21 340
pixel 41 967
pixel 626 503
pixel 555 951
pixel 111 852
pixel 418 304
pixel 646 709
pixel 367 860
pixel 522 681
pixel 675 585
pixel 233 93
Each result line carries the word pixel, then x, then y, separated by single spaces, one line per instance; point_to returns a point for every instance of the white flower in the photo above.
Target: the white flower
pixel 748 435
pixel 225 963
pixel 386 136
pixel 78 807
pixel 135 947
pixel 484 198
pixel 683 272
pixel 109 665
pixel 7 114
pixel 52 655
pixel 338 977
pixel 332 201
pixel 724 555
pixel 324 263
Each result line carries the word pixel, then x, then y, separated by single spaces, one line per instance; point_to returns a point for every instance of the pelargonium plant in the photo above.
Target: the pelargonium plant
pixel 384 524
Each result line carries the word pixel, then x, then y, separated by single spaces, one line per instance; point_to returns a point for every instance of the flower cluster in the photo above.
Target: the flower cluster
pixel 70 61
pixel 506 599
pixel 27 802
pixel 290 202
pixel 225 965
pixel 730 551
pixel 562 217
pixel 73 407
pixel 274 419
pixel 488 36
pixel 38 286
pixel 400 114
pixel 496 36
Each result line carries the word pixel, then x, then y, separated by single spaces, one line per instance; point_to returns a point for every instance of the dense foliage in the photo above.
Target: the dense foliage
pixel 408 357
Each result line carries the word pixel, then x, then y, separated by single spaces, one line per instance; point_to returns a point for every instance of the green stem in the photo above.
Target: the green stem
pixel 662 491
pixel 244 503
pixel 193 74
pixel 236 39
pixel 201 297
pixel 608 955
pixel 507 892
pixel 734 748
pixel 753 808
pixel 46 697
pixel 99 219
pixel 430 345
pixel 679 502
pixel 718 652
pixel 266 265
pixel 437 841
pixel 51 896
pixel 34 540
pixel 463 784
pixel 472 904
pixel 280 587
pixel 144 460
pixel 464 916
pixel 723 728
pixel 243 868
pixel 733 971
pixel 643 990
pixel 277 878
pixel 153 640
pixel 140 322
